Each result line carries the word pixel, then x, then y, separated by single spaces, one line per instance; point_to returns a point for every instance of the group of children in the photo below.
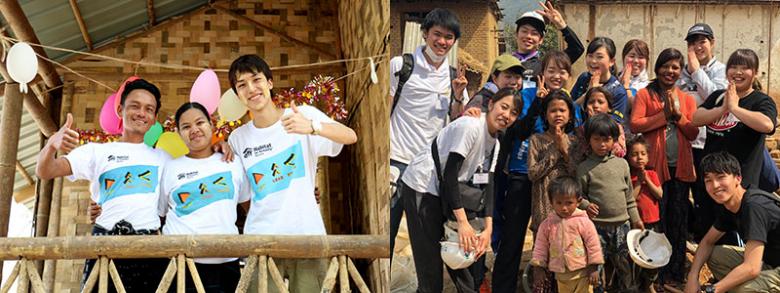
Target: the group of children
pixel 619 152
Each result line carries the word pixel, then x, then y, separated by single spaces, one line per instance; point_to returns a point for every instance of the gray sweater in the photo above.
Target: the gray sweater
pixel 606 182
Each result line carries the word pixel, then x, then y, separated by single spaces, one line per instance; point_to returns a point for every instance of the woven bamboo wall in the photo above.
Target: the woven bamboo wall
pixel 208 38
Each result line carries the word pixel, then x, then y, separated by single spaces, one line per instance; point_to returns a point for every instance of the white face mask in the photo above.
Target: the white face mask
pixel 435 58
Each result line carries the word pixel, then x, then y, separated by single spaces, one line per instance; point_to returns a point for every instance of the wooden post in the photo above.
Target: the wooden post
pixel 356 276
pixel 92 278
pixel 10 125
pixel 103 281
pixel 262 274
pixel 330 276
pixel 276 276
pixel 195 276
pixel 13 14
pixel 23 284
pixel 50 266
pixel 246 275
pixel 82 26
pixel 167 278
pixel 35 279
pixel 11 278
pixel 343 275
pixel 120 288
pixel 180 273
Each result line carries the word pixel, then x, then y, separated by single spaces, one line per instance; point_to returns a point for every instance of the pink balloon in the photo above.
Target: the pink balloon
pixel 206 90
pixel 118 94
pixel 109 121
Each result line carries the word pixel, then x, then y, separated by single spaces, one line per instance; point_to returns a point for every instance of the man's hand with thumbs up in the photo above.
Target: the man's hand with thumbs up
pixel 296 122
pixel 66 139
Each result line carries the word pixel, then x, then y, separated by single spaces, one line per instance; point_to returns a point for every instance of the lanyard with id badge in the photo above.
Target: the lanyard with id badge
pixel 481 176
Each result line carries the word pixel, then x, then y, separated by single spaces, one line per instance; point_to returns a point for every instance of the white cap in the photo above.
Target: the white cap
pixel 454 257
pixel 534 19
pixel 648 249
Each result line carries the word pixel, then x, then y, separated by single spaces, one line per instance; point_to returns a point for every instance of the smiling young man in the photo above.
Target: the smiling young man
pixel 279 150
pixel 424 91
pixel 123 178
pixel 755 215
pixel 529 35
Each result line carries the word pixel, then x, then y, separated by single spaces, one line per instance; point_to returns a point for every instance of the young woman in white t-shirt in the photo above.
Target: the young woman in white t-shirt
pixel 466 148
pixel 199 193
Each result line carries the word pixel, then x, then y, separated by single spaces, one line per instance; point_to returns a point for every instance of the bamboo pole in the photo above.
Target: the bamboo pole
pixel 50 266
pixel 195 276
pixel 165 246
pixel 35 279
pixel 262 274
pixel 10 124
pixel 246 275
pixel 276 276
pixel 39 112
pixel 11 278
pixel 25 174
pixel 180 273
pixel 343 275
pixel 82 26
pixel 92 278
pixel 23 283
pixel 120 288
pixel 330 276
pixel 167 278
pixel 103 280
pixel 150 13
pixel 13 14
pixel 357 277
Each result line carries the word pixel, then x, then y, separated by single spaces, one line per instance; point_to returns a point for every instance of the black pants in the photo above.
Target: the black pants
pixel 516 214
pixel 425 220
pixel 216 278
pixel 396 208
pixel 674 218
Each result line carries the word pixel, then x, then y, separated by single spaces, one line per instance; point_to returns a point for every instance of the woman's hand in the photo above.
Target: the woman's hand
pixel 541 89
pixel 467 237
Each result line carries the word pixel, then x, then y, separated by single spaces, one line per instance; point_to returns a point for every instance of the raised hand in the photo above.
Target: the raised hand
pixel 541 88
pixel 693 61
pixel 459 84
pixel 473 112
pixel 66 139
pixel 625 78
pixel 595 78
pixel 731 99
pixel 296 122
pixel 549 12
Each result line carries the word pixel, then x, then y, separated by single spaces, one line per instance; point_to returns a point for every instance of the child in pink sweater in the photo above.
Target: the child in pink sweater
pixel 566 242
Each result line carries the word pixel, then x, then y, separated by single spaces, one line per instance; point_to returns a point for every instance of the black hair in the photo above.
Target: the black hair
pixel 746 57
pixel 666 55
pixel 248 64
pixel 517 98
pixel 563 96
pixel 564 185
pixel 191 105
pixel 558 57
pixel 638 139
pixel 696 37
pixel 641 48
pixel 720 163
pixel 601 125
pixel 443 18
pixel 141 84
pixel 609 45
pixel 603 91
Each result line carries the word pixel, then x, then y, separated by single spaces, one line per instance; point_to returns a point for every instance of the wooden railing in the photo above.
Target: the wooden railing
pixel 259 250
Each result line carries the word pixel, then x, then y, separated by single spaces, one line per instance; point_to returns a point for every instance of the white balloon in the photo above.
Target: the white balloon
pixel 22 64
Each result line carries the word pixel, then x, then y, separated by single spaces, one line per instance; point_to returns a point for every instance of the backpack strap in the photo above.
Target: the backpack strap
pixel 403 77
pixel 771 195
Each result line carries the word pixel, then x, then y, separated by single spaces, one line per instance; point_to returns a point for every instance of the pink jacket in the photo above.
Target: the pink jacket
pixel 567 244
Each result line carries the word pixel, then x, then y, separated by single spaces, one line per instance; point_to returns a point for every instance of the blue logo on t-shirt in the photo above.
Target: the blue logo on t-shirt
pixel 275 173
pixel 194 195
pixel 126 181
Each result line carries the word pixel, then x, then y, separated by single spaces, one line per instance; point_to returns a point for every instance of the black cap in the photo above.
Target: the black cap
pixel 699 29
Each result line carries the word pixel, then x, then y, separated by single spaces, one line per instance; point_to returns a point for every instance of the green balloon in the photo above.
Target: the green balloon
pixel 153 134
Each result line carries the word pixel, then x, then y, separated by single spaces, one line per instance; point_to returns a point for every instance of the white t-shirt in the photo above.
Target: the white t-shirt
pixel 422 107
pixel 281 170
pixel 199 196
pixel 467 136
pixel 124 179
